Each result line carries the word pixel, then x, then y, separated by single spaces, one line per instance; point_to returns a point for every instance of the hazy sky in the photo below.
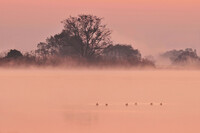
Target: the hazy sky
pixel 149 25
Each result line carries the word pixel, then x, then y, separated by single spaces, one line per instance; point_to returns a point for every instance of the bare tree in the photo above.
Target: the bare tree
pixel 83 36
pixel 93 35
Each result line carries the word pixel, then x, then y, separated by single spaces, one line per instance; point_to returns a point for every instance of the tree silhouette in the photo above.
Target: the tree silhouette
pixel 122 52
pixel 83 36
pixel 14 54
pixel 182 56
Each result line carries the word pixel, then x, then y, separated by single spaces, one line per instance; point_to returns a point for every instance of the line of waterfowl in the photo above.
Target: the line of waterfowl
pixel 127 104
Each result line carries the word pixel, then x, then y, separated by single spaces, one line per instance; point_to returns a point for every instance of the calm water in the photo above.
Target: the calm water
pixel 63 101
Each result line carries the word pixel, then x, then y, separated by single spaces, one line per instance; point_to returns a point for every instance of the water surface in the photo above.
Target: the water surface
pixel 64 101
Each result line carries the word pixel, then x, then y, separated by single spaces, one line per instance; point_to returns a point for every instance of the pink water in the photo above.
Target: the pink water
pixel 63 101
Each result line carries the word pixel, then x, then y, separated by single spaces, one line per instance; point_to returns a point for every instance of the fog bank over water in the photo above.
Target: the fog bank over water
pixel 60 100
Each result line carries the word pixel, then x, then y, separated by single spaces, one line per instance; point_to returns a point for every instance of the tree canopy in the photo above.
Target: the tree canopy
pixel 83 36
pixel 182 56
pixel 122 52
pixel 84 40
pixel 14 54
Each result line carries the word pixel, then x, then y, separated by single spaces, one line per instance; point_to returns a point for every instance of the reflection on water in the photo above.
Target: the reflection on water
pixel 96 101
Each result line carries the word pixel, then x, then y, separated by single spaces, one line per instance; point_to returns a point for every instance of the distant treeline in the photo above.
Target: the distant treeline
pixel 182 57
pixel 86 41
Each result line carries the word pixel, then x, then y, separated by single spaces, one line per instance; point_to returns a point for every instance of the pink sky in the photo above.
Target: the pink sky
pixel 149 25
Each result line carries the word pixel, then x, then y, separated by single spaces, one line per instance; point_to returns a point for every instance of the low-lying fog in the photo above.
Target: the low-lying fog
pixel 64 101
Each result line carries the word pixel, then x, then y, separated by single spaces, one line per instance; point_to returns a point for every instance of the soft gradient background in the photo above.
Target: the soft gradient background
pixel 152 26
